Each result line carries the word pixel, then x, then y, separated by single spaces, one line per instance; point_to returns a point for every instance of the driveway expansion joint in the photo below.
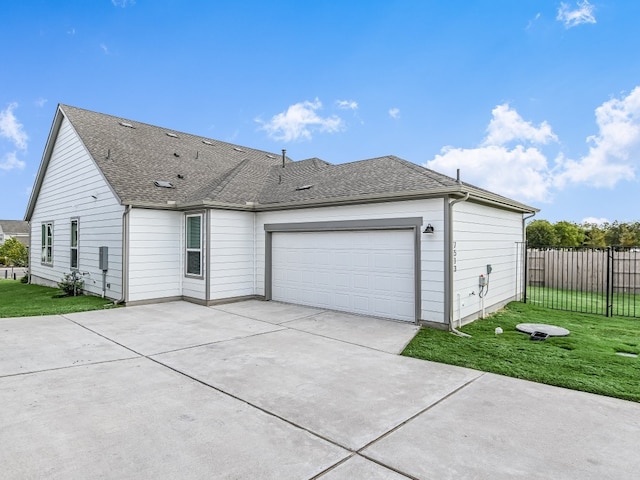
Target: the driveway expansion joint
pixel 85 364
pixel 416 415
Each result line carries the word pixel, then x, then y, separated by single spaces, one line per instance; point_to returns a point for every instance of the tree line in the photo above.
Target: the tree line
pixel 541 233
pixel 13 253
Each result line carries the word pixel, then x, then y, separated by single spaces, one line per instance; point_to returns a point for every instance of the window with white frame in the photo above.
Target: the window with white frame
pixel 47 243
pixel 193 243
pixel 74 243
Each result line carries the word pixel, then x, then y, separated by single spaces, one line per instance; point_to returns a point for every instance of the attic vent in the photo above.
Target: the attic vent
pixel 207 142
pixel 163 184
pixel 238 149
pixel 304 187
pixel 171 134
pixel 270 156
pixel 125 124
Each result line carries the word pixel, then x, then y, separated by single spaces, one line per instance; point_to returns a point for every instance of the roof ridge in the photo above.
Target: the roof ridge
pixel 431 174
pixel 218 184
pixel 178 132
pixel 224 181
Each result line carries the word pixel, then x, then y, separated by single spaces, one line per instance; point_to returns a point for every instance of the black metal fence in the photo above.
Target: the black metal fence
pixel 603 281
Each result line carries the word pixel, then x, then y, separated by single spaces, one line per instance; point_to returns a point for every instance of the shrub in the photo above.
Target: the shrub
pixel 71 284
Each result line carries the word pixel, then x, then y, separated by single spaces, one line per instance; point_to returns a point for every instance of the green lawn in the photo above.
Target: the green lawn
pixel 585 360
pixel 22 300
pixel 586 302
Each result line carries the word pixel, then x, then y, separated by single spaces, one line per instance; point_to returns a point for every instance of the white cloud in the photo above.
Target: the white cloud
pixel 104 48
pixel 507 125
pixel 394 112
pixel 583 13
pixel 123 3
pixel 11 128
pixel 299 121
pixel 533 21
pixel 614 152
pixel 519 172
pixel 347 104
pixel 71 31
pixel 508 161
pixel 595 221
pixel 40 102
pixel 10 161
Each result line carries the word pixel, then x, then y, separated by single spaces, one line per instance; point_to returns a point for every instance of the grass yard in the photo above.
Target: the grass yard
pixel 23 300
pixel 585 360
pixel 587 302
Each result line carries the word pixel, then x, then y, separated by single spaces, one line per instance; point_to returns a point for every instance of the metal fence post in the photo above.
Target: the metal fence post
pixel 609 283
pixel 526 270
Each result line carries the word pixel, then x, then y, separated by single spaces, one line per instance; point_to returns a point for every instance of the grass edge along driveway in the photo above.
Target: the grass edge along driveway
pixel 24 300
pixel 585 360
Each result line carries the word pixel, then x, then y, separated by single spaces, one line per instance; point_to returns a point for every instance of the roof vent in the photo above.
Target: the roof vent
pixel 304 187
pixel 238 149
pixel 125 124
pixel 173 135
pixel 271 156
pixel 176 154
pixel 180 176
pixel 207 142
pixel 163 184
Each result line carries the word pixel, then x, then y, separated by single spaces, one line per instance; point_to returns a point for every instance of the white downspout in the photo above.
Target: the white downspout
pixel 453 329
pixel 125 255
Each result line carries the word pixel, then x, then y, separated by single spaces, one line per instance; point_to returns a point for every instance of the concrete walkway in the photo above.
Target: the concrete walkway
pixel 263 390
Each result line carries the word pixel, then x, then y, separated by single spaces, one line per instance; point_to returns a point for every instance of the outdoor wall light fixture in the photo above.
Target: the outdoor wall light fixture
pixel 428 229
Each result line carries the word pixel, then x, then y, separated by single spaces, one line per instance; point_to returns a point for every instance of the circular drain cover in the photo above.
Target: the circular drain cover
pixel 550 330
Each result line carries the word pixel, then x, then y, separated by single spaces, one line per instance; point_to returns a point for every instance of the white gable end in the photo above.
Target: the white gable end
pixel 74 189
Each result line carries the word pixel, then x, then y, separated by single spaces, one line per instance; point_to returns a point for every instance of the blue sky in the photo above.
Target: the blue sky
pixel 536 100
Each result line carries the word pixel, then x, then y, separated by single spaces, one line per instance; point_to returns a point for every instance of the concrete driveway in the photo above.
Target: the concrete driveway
pixel 263 390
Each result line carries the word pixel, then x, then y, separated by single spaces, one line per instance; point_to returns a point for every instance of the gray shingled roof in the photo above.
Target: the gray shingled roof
pixel 14 227
pixel 207 171
pixel 133 158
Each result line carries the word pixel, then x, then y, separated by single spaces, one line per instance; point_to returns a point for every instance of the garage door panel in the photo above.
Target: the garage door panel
pixel 366 272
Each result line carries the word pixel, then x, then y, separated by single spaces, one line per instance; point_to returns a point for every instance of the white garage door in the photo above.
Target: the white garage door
pixel 369 272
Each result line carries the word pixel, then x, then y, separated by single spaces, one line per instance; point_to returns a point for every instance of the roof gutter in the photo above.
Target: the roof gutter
pixel 477 196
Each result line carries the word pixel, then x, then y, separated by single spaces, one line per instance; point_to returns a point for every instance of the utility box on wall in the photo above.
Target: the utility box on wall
pixel 103 260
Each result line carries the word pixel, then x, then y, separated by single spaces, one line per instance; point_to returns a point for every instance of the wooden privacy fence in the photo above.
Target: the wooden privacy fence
pixel 593 280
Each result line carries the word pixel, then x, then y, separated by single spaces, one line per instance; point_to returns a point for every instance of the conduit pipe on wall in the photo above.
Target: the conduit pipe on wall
pixel 452 328
pixel 125 254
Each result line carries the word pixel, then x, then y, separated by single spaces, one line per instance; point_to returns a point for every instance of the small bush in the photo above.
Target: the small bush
pixel 71 284
pixel 25 279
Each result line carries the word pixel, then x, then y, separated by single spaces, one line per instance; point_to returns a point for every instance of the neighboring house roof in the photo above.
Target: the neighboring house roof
pixel 18 229
pixel 14 227
pixel 206 172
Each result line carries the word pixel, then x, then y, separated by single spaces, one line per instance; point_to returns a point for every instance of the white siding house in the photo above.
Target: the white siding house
pixel 75 190
pixel 186 217
pixel 484 236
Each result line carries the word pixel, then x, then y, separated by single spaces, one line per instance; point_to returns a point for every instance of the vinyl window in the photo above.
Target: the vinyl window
pixel 193 243
pixel 46 243
pixel 74 243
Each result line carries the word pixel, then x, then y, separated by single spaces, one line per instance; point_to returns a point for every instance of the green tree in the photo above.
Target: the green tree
pixel 613 233
pixel 569 234
pixel 594 235
pixel 15 252
pixel 540 233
